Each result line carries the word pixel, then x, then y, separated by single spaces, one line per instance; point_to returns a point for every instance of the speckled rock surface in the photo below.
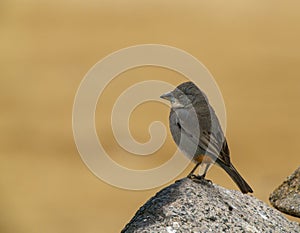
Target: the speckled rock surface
pixel 286 197
pixel 200 206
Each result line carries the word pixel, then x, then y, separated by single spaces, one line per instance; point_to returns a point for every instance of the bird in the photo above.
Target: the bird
pixel 197 132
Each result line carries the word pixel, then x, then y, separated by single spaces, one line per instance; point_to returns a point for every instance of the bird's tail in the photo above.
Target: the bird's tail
pixel 237 178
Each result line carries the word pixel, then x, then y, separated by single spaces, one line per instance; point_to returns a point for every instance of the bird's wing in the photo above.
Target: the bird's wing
pixel 214 149
pixel 204 137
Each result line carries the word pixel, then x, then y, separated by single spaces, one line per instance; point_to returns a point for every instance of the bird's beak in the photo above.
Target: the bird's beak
pixel 167 96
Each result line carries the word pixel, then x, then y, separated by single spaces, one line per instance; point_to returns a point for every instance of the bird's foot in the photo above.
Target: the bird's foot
pixel 195 177
pixel 198 178
pixel 191 176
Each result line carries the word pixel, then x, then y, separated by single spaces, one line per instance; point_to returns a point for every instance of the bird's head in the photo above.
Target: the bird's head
pixel 183 96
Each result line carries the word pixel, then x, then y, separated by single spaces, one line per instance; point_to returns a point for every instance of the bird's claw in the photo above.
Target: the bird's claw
pixel 194 177
pixel 198 178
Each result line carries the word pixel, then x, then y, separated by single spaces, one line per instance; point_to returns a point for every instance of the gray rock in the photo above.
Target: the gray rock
pixel 200 206
pixel 286 197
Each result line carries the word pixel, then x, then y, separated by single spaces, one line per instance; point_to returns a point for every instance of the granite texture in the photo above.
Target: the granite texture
pixel 200 206
pixel 286 197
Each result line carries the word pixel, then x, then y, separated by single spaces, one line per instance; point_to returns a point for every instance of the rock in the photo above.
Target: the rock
pixel 200 206
pixel 286 197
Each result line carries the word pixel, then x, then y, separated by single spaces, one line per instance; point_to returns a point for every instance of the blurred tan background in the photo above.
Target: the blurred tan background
pixel 251 47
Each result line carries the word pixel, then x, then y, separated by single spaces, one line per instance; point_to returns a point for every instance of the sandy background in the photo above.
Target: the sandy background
pixel 252 48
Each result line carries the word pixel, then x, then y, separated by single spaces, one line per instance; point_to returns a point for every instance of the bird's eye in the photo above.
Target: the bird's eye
pixel 185 96
pixel 182 96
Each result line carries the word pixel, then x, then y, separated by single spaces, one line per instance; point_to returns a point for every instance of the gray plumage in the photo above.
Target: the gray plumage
pixel 196 130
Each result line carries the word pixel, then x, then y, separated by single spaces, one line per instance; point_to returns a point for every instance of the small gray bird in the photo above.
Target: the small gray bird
pixel 196 130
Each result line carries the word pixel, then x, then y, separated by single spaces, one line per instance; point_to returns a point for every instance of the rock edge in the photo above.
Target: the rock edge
pixel 200 206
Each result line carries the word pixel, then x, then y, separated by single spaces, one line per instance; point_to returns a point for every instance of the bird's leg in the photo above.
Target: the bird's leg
pixel 205 171
pixel 191 175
